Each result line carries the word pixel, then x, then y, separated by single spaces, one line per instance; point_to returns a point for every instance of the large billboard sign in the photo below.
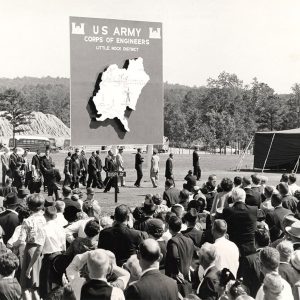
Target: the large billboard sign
pixel 116 82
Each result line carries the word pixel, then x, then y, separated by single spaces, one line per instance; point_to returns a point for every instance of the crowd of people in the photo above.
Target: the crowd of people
pixel 224 239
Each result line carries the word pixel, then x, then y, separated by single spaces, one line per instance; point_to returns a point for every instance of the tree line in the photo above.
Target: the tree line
pixel 223 113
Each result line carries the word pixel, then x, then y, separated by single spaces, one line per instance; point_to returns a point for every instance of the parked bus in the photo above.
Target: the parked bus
pixel 30 142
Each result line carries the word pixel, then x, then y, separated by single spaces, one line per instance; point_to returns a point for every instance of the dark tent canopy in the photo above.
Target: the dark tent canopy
pixel 277 149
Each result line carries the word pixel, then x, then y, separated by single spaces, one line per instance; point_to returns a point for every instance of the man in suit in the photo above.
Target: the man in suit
pixel 92 170
pixel 5 165
pixel 36 160
pixel 250 267
pixel 139 167
pixel 208 287
pixel 180 251
pixel 154 169
pixel 9 219
pixel 169 168
pixel 99 266
pixel 171 194
pixel 152 285
pixel 67 170
pixel 288 201
pixel 112 174
pixel 45 164
pixel 120 239
pixel 13 160
pixel 121 168
pixel 99 168
pixel 241 221
pixel 196 163
pixel 75 169
pixel 54 178
pixel 253 196
pixel 83 168
pixel 275 218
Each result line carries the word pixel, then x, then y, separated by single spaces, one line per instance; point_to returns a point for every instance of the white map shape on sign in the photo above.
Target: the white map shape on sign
pixel 119 89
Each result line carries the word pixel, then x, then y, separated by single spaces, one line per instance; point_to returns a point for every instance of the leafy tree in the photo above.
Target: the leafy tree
pixel 13 105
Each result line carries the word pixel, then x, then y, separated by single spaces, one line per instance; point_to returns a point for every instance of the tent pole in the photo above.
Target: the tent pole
pixel 239 165
pixel 295 170
pixel 268 153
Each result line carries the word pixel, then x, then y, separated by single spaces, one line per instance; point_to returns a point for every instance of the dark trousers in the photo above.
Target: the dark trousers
pixel 112 182
pixel 99 178
pixel 34 187
pixel 83 178
pixel 67 180
pixel 197 172
pixel 139 174
pixel 52 189
pixel 93 180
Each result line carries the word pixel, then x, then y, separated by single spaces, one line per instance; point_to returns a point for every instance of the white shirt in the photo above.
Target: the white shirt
pixel 293 188
pixel 286 293
pixel 78 228
pixel 60 220
pixel 55 238
pixel 227 255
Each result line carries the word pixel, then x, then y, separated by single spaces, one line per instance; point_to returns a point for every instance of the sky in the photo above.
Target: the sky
pixel 201 38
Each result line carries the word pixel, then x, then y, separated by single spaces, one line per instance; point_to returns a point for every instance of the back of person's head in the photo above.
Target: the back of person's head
pixel 264 179
pixel 133 266
pixel 225 276
pixel 169 183
pixel 178 210
pixel 283 188
pixel 211 177
pixel 246 181
pixel 70 213
pixel 198 204
pixel 60 206
pixel 97 152
pixel 50 212
pixel 238 194
pixel 219 228
pixel 292 178
pixel 268 191
pixel 122 213
pixel 157 199
pixel 256 179
pixel 23 213
pixel 66 191
pixel 226 184
pixel 106 221
pixel 184 196
pixel 155 227
pixel 162 215
pixel 269 258
pixel 208 253
pixel 9 263
pixel 276 200
pixel 92 228
pixel 98 263
pixel 169 214
pixel 35 202
pixel 262 236
pixel 285 249
pixel 149 250
pixel 237 180
pixel 273 286
pixel 191 216
pixel 284 177
pixel 175 224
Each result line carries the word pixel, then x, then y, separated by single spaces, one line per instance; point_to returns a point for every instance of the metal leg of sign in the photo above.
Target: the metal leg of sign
pixel 116 196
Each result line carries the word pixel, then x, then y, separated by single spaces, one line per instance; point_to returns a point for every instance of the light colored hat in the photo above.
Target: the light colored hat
pixel 294 229
pixel 295 259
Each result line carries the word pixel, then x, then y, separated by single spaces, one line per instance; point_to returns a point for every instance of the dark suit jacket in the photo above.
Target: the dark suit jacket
pixel 171 196
pixel 138 161
pixel 96 290
pixel 121 240
pixel 241 221
pixel 180 250
pixel 208 287
pixel 75 166
pixel 196 159
pixel 13 160
pixel 73 203
pixel 169 168
pixel 98 163
pixel 83 162
pixel 290 202
pixel 153 286
pixel 250 271
pixel 92 165
pixel 53 176
pixel 253 197
pixel 36 162
pixel 274 219
pixel 8 221
pixel 45 163
pixel 194 234
pixel 290 274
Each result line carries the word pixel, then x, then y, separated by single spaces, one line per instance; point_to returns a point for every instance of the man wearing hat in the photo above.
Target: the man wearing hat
pixel 293 234
pixel 5 165
pixel 139 167
pixel 196 163
pixel 154 169
pixel 148 211
pixel 9 219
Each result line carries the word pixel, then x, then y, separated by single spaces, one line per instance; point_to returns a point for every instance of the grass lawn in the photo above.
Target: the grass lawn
pixel 221 165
